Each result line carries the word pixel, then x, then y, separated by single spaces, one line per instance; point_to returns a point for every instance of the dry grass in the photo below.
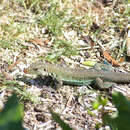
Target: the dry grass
pixel 58 31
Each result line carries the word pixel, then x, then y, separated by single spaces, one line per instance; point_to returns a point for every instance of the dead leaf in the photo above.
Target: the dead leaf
pixel 122 59
pixel 37 41
pixel 88 40
pixel 110 59
pixel 128 43
pixel 13 65
pixel 89 63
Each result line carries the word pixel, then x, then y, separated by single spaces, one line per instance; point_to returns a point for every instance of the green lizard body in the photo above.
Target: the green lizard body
pixel 79 76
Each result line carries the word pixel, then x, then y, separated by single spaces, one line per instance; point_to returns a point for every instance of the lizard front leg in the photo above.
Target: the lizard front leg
pixel 103 84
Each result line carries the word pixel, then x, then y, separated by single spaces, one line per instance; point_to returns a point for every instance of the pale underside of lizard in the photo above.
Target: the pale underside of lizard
pixel 78 76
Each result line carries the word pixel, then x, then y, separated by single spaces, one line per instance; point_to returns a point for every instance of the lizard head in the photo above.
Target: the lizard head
pixel 33 68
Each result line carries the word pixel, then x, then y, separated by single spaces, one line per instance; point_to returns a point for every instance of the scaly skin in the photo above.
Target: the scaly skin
pixel 79 76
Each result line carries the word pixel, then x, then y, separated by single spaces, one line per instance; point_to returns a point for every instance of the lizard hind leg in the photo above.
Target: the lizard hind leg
pixel 103 85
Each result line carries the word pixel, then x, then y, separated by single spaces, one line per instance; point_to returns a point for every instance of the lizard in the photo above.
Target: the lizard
pixel 78 76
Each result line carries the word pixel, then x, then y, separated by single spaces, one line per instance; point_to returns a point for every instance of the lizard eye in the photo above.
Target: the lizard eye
pixel 45 69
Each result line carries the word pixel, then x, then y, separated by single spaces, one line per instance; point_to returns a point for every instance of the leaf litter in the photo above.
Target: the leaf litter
pixel 27 35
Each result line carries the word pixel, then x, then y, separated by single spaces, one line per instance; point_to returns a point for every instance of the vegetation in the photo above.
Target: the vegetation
pixel 11 116
pixel 72 33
